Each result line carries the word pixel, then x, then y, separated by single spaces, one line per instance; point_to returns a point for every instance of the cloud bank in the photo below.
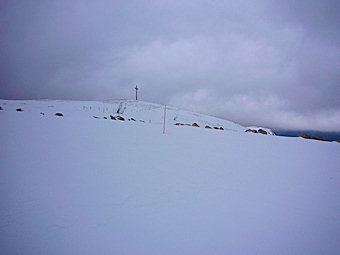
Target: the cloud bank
pixel 257 63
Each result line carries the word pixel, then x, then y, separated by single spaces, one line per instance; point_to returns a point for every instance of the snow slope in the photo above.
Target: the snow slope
pixel 80 185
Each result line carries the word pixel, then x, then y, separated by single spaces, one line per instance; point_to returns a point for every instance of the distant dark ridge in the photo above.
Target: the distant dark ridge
pixel 329 136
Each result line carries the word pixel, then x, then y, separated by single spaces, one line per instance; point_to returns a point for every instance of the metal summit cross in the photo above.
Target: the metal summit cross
pixel 136 88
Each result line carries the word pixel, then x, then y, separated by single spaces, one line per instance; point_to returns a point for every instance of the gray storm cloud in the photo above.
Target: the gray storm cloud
pixel 256 63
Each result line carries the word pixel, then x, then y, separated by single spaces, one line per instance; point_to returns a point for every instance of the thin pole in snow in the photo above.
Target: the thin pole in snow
pixel 164 119
pixel 136 88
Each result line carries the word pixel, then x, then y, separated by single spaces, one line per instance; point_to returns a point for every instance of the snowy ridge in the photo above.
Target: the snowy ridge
pixel 75 184
pixel 147 112
pixel 154 112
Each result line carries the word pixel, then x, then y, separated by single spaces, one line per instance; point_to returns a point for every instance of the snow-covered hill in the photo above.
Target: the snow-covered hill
pixel 140 111
pixel 83 184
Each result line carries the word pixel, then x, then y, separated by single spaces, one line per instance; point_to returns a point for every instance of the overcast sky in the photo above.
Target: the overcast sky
pixel 258 62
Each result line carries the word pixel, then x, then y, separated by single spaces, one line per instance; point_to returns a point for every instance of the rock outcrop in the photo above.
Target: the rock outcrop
pixel 120 118
pixel 304 136
pixel 319 138
pixel 251 130
pixel 261 131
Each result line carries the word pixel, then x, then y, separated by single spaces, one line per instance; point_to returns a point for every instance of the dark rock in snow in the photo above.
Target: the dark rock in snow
pixel 59 114
pixel 207 126
pixel 251 130
pixel 304 136
pixel 120 118
pixel 320 138
pixel 195 125
pixel 19 110
pixel 262 131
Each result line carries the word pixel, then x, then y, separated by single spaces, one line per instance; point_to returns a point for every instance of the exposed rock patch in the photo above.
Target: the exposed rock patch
pixel 304 136
pixel 195 125
pixel 19 110
pixel 319 138
pixel 120 118
pixel 207 126
pixel 262 131
pixel 59 114
pixel 257 131
pixel 117 118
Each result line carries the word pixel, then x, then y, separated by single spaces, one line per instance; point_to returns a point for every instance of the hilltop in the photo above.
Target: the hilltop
pixel 79 183
pixel 140 111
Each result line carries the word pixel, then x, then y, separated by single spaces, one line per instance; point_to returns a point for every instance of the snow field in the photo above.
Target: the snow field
pixel 79 185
